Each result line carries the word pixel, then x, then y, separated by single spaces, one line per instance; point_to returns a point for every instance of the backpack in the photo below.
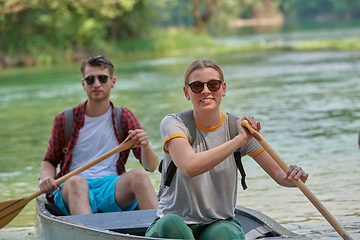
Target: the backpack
pixel 189 122
pixel 69 122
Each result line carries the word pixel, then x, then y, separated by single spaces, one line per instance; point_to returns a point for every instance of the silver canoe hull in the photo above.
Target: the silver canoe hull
pixel 133 224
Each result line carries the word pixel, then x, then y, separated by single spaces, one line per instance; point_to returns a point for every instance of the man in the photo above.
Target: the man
pixel 105 187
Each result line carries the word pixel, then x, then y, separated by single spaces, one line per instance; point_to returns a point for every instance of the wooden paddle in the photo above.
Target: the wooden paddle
pixel 313 199
pixel 11 208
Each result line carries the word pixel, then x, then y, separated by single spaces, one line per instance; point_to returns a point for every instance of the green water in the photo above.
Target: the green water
pixel 308 104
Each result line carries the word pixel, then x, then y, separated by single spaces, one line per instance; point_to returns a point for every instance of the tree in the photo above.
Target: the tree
pixel 203 10
pixel 49 31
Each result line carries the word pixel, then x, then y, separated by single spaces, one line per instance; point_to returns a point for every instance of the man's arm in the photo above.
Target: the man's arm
pixel 47 173
pixel 149 158
pixel 53 155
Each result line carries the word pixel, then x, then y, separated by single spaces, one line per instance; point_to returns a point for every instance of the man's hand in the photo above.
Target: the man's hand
pixel 48 185
pixel 140 137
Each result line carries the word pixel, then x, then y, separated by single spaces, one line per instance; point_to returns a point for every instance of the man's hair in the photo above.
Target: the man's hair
pixel 95 61
pixel 202 63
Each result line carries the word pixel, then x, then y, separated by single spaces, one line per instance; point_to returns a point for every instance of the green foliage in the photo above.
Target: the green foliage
pixel 48 31
pixel 131 24
pixel 172 13
pixel 175 42
pixel 169 41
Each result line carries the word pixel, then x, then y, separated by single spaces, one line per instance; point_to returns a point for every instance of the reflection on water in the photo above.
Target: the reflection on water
pixel 307 102
pixel 290 33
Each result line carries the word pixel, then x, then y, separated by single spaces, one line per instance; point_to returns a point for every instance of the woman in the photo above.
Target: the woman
pixel 201 200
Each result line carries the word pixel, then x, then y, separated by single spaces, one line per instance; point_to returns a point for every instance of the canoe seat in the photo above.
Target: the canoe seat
pixel 129 222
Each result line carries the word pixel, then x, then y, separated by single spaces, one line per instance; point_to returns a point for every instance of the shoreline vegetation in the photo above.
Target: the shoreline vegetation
pixel 171 42
pixel 46 32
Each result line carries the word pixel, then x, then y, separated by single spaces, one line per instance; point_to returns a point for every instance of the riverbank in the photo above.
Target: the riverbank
pixel 27 233
pixel 171 42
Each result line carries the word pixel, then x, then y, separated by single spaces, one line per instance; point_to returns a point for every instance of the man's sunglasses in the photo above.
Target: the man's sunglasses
pixel 91 79
pixel 198 87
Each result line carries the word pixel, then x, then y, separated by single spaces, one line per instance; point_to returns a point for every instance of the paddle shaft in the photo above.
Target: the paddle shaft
pixel 306 191
pixel 11 208
pixel 125 145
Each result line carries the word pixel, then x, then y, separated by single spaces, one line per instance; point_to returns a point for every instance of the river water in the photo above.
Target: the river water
pixel 308 104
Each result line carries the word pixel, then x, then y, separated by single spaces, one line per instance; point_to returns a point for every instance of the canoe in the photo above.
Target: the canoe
pixel 132 225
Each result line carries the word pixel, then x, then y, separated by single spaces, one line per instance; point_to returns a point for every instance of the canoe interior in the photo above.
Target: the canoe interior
pixel 134 223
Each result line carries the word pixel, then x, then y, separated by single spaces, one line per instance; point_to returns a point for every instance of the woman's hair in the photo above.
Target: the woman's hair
pixel 202 63
pixel 96 61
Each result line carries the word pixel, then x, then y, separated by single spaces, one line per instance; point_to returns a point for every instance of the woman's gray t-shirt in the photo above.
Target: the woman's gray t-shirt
pixel 209 196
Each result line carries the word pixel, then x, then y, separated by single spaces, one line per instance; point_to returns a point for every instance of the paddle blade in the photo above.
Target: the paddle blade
pixel 10 209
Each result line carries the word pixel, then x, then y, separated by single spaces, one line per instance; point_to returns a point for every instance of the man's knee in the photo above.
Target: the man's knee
pixel 74 188
pixel 134 181
pixel 76 183
pixel 138 176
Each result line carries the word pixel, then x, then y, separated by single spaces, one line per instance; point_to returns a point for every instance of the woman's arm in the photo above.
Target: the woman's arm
pixel 193 164
pixel 273 170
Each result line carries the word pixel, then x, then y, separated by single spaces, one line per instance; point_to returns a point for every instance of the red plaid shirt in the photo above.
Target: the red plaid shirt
pixel 55 154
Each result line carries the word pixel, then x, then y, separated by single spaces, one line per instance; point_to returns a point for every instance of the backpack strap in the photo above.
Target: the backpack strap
pixel 171 170
pixel 69 122
pixel 117 119
pixel 233 132
pixel 120 132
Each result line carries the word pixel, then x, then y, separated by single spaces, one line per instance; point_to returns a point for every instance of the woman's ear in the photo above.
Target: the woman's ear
pixel 224 89
pixel 186 93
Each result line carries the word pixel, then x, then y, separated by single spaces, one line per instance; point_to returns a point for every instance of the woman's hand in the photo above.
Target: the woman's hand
pixel 244 131
pixel 255 125
pixel 296 173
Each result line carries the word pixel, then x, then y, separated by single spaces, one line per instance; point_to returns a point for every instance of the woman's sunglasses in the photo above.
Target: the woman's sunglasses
pixel 212 85
pixel 91 79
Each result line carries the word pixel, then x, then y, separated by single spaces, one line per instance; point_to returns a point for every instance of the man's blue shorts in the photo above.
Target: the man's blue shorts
pixel 101 193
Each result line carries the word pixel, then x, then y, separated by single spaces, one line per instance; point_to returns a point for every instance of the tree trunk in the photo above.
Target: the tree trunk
pixel 201 19
pixel 15 8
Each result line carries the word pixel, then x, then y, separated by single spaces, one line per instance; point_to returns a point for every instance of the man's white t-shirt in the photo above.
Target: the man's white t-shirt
pixel 96 137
